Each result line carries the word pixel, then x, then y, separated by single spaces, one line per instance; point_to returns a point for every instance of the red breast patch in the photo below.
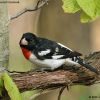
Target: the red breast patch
pixel 26 53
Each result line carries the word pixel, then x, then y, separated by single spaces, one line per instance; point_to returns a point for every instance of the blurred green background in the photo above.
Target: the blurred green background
pixel 52 23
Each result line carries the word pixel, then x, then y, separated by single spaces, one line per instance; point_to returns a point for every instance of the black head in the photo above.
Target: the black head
pixel 28 41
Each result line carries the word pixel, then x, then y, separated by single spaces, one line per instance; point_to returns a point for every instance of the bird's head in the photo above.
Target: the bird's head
pixel 28 41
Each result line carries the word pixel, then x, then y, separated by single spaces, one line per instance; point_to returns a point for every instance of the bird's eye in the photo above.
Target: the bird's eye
pixel 27 39
pixel 30 41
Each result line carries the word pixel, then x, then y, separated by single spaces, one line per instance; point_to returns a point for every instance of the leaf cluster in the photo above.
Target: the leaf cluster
pixel 89 9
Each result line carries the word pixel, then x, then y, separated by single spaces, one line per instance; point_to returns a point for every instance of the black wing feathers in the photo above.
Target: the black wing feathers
pixel 45 44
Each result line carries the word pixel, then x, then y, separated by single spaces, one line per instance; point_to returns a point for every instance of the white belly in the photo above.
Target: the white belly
pixel 52 63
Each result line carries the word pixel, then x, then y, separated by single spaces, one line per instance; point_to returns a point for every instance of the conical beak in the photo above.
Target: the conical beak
pixel 24 42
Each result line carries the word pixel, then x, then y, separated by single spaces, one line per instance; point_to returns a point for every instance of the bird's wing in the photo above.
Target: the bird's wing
pixel 65 52
pixel 48 49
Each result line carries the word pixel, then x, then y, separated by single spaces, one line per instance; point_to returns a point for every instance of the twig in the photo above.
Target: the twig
pixel 39 4
pixel 9 1
pixel 60 93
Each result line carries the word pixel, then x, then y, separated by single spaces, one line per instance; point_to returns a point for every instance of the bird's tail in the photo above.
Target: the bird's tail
pixel 86 65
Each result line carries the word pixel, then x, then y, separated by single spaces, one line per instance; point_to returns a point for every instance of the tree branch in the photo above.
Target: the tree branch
pixel 65 77
pixel 9 1
pixel 39 4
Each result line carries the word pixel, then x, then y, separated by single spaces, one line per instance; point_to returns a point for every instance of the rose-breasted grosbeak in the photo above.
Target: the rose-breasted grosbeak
pixel 50 54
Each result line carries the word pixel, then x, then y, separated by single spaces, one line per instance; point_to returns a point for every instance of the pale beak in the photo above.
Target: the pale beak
pixel 24 42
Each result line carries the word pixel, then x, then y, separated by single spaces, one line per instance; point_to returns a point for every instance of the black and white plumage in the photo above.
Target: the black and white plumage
pixel 49 53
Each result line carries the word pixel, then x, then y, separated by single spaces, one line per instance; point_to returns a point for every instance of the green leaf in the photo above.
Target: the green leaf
pixel 1 86
pixel 11 88
pixel 85 18
pixel 70 6
pixel 88 6
pixel 90 9
pixel 97 3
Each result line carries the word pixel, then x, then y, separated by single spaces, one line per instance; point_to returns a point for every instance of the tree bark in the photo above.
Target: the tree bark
pixel 4 42
pixel 65 77
pixel 4 35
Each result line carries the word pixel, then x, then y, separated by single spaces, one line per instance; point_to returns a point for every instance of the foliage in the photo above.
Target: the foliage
pixel 10 87
pixel 12 90
pixel 1 87
pixel 90 9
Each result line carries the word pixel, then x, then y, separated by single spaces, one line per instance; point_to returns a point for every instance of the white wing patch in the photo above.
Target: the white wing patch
pixel 42 53
pixel 57 56
pixel 64 46
pixel 57 49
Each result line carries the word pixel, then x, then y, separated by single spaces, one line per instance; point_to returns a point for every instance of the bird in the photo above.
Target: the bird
pixel 49 54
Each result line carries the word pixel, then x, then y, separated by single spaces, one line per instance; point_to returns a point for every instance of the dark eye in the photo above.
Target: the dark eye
pixel 27 39
pixel 30 41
